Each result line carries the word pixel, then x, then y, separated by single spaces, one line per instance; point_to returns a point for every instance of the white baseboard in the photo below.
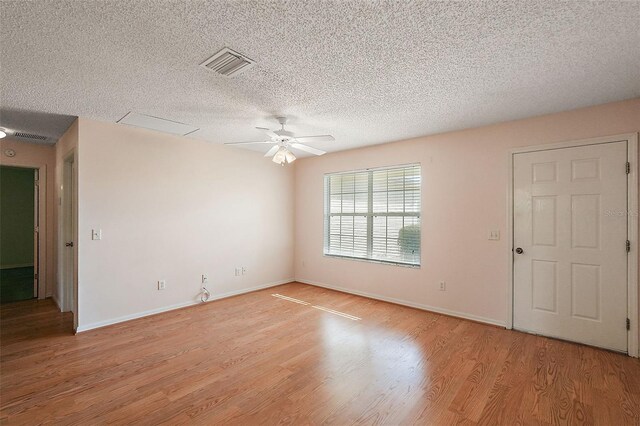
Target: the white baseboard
pixel 406 303
pixel 99 324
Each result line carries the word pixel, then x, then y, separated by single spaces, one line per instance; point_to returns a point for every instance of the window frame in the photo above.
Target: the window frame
pixel 370 215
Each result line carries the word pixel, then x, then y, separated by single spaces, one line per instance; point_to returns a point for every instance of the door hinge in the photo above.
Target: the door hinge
pixel 628 246
pixel 35 276
pixel 628 324
pixel 628 167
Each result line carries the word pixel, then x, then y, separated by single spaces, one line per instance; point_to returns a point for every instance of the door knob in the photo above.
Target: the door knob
pixel 69 244
pixel 519 250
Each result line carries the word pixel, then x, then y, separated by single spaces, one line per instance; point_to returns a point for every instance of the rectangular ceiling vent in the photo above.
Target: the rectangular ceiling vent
pixel 24 135
pixel 228 63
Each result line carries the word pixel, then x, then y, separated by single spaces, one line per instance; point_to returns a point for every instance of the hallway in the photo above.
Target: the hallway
pixel 16 284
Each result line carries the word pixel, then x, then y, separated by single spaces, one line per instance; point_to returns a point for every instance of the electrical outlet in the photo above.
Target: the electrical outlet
pixel 244 270
pixel 443 286
pixel 162 284
pixel 205 279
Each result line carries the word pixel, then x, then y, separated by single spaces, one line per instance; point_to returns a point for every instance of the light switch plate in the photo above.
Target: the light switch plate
pixel 96 234
pixel 494 235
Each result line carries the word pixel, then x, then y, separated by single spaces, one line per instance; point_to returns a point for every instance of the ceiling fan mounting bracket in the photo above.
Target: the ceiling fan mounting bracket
pixel 282 120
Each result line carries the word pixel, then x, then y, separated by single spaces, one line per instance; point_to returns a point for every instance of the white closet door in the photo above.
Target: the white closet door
pixel 570 230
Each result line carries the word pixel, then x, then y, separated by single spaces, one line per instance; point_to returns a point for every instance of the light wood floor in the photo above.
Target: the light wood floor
pixel 258 359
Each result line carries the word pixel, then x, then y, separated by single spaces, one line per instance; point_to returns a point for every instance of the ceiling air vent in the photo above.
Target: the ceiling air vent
pixel 29 136
pixel 228 63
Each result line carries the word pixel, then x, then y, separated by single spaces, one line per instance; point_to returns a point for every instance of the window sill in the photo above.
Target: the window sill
pixel 380 262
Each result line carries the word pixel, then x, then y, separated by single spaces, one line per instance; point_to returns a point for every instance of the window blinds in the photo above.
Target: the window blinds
pixel 374 214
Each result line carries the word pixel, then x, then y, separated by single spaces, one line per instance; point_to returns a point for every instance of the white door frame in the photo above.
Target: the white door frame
pixel 632 227
pixel 42 219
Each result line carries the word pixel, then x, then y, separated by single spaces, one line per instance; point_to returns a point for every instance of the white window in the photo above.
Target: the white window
pixel 374 214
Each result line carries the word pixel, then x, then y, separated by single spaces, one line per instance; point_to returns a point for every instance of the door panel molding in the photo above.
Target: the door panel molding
pixel 632 224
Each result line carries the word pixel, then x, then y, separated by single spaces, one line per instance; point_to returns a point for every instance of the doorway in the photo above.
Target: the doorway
pixel 19 234
pixel 574 214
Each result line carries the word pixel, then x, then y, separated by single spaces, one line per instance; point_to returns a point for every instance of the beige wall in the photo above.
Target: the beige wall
pixel 464 196
pixel 172 208
pixel 34 155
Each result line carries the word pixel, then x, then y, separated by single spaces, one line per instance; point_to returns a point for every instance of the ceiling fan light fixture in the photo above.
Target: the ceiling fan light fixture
pixel 283 156
pixel 289 157
pixel 280 157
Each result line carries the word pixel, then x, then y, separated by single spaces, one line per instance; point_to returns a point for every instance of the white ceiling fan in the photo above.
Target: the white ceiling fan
pixel 283 140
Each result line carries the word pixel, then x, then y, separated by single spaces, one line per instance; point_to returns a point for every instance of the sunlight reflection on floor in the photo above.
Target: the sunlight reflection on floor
pixel 370 356
pixel 322 308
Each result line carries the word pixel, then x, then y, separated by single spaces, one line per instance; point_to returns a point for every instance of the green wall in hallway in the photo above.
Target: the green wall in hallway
pixel 16 216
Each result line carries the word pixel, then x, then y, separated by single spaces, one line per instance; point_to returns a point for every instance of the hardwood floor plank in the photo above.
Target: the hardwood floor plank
pixel 260 359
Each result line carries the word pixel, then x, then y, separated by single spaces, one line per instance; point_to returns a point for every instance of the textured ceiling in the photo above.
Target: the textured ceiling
pixel 367 72
pixel 50 125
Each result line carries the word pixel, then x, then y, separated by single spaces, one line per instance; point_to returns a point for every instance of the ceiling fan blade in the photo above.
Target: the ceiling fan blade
pixel 307 149
pixel 272 151
pixel 319 138
pixel 244 143
pixel 268 132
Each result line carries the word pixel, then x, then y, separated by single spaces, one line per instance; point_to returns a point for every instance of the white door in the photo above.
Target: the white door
pixel 570 232
pixel 68 212
pixel 36 234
